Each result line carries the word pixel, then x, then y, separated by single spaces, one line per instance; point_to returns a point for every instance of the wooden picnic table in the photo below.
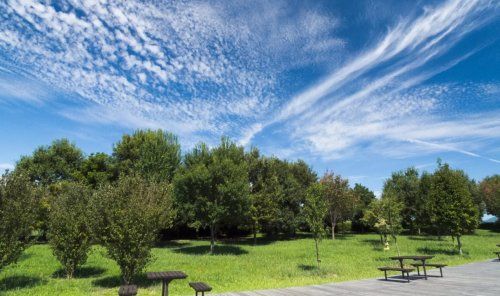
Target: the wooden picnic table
pixel 498 245
pixel 166 277
pixel 415 258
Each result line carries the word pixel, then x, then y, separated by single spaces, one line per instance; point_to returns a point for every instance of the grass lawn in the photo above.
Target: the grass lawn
pixel 238 265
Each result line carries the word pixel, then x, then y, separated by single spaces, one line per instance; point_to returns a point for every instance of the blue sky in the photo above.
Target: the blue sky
pixel 362 88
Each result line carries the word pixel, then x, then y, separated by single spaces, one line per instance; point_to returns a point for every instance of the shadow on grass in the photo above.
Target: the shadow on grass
pixel 172 244
pixel 204 250
pixel 305 267
pixel 20 282
pixel 82 272
pixel 116 281
pixel 375 243
pixel 440 251
pixel 426 238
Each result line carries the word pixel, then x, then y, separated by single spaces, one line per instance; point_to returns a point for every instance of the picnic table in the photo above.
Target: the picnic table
pixel 415 258
pixel 166 277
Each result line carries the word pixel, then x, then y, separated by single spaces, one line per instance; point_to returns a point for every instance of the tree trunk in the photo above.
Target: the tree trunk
pixel 381 239
pixel 317 252
pixel 459 245
pixel 333 229
pixel 255 233
pixel 212 239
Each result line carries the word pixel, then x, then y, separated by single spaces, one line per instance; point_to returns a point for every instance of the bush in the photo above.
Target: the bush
pixel 69 228
pixel 18 215
pixel 129 216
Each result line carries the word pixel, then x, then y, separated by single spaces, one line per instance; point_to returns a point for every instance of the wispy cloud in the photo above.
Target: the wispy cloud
pixel 375 102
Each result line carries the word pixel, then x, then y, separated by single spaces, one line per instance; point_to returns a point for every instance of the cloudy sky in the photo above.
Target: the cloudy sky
pixel 359 87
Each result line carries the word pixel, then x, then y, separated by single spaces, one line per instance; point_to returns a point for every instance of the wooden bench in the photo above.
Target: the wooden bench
pixel 200 287
pixel 402 270
pixel 437 265
pixel 127 290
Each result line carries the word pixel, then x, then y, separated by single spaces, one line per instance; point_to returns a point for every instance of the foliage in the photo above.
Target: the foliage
pixel 342 202
pixel 453 207
pixel 155 155
pixel 212 187
pixel 315 210
pixel 98 169
pixel 47 165
pixel 365 197
pixel 69 231
pixel 405 186
pixel 128 216
pixel 19 204
pixel 489 190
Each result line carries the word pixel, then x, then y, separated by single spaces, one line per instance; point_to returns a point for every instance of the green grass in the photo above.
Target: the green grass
pixel 238 265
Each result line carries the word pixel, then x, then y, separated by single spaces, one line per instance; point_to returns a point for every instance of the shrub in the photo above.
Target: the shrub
pixel 18 215
pixel 129 216
pixel 69 228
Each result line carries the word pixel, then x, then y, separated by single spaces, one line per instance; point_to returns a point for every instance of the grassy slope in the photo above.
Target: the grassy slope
pixel 238 266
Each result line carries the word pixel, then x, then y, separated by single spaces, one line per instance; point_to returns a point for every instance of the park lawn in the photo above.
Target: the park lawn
pixel 238 265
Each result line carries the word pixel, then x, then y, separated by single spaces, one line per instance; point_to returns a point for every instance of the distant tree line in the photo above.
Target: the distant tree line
pixel 125 200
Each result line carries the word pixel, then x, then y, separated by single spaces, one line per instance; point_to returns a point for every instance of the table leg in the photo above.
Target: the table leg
pixel 163 288
pixel 425 269
pixel 401 264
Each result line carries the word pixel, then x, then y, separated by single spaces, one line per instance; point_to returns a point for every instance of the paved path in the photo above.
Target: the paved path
pixel 481 278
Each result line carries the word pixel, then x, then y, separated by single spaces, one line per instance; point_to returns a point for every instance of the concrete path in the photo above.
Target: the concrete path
pixel 480 278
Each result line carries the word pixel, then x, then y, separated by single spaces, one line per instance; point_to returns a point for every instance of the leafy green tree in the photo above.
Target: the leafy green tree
pixel 60 161
pixel 98 169
pixel 19 204
pixel 489 190
pixel 365 196
pixel 405 185
pixel 155 155
pixel 69 231
pixel 454 208
pixel 212 187
pixel 385 216
pixel 315 210
pixel 127 217
pixel 340 199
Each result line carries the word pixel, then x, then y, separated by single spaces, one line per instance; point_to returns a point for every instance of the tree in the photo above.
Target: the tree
pixel 385 216
pixel 365 196
pixel 454 208
pixel 155 155
pixel 19 204
pixel 69 231
pixel 315 210
pixel 405 185
pixel 489 190
pixel 340 199
pixel 128 216
pixel 212 187
pixel 59 161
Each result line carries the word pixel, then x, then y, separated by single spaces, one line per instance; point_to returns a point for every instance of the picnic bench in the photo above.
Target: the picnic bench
pixel 414 258
pixel 498 254
pixel 127 290
pixel 166 277
pixel 437 265
pixel 403 270
pixel 200 287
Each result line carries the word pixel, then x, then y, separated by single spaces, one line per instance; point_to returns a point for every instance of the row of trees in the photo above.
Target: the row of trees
pixel 125 199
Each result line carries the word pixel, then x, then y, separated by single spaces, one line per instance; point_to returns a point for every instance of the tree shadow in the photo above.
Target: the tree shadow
pixel 375 243
pixel 249 241
pixel 425 238
pixel 82 272
pixel 204 250
pixel 20 282
pixel 305 267
pixel 172 244
pixel 440 251
pixel 116 281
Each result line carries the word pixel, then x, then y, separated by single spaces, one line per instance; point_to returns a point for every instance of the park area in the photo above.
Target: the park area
pixel 238 265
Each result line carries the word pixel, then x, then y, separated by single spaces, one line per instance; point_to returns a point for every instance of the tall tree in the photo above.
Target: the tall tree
pixel 405 185
pixel 212 187
pixel 98 169
pixel 19 203
pixel 315 210
pixel 60 161
pixel 340 199
pixel 365 197
pixel 489 190
pixel 452 201
pixel 155 155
